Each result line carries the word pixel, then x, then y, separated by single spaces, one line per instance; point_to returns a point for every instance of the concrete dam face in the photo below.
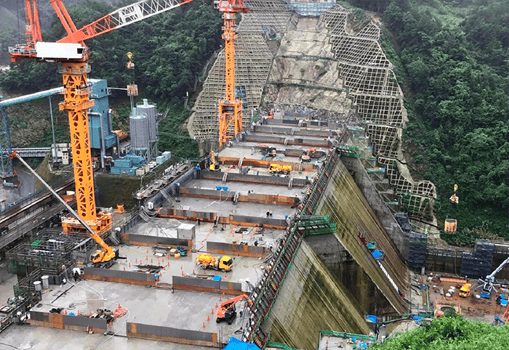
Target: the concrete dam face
pixel 334 281
pixel 312 299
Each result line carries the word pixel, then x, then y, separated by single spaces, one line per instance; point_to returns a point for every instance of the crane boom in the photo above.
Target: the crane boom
pixel 109 253
pixel 120 18
pixel 497 270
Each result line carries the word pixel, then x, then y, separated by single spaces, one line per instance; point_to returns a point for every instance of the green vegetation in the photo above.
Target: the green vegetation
pixel 169 52
pixel 452 60
pixel 172 138
pixel 451 332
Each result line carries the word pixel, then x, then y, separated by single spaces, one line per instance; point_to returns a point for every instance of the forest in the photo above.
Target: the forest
pixel 169 51
pixel 452 60
pixel 450 332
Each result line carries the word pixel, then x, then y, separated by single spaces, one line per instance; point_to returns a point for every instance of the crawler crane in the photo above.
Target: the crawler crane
pixel 227 311
pixel 104 257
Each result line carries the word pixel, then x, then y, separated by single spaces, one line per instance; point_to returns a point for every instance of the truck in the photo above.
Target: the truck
pixel 280 169
pixel 465 290
pixel 207 261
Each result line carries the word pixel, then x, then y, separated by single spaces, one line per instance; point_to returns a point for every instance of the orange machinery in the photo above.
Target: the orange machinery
pixel 73 54
pixel 230 109
pixel 227 311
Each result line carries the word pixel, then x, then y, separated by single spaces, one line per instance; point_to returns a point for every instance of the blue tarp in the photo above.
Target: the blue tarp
pixel 377 254
pixel 235 344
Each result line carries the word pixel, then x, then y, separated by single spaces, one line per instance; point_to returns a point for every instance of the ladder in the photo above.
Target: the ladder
pixel 225 176
pixel 169 198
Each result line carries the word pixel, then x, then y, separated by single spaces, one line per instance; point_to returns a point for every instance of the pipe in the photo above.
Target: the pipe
pixel 31 97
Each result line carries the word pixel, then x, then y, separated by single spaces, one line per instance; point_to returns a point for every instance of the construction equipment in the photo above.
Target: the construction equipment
pixel 207 261
pixel 73 54
pixel 306 157
pixel 227 311
pixel 230 109
pixel 487 283
pixel 214 166
pixel 280 169
pixel 501 300
pixel 101 258
pixel 465 290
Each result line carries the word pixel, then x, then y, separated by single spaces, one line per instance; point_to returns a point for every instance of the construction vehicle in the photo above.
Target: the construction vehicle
pixel 306 157
pixel 104 257
pixel 207 261
pixel 228 311
pixel 501 300
pixel 465 290
pixel 280 169
pixel 214 166
pixel 488 282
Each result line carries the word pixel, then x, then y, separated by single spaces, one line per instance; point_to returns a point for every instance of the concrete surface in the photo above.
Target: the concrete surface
pixel 7 281
pixel 243 267
pixel 343 343
pixel 244 187
pixel 40 338
pixel 226 207
pixel 161 307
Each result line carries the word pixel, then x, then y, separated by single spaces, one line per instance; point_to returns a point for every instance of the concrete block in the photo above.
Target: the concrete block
pixel 186 231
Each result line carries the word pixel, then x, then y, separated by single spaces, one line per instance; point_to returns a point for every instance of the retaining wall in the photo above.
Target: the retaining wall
pixel 143 240
pixel 75 323
pixel 236 249
pixel 297 141
pixel 254 179
pixel 207 286
pixel 129 277
pixel 251 197
pixel 266 163
pixel 376 203
pixel 169 334
pixel 243 220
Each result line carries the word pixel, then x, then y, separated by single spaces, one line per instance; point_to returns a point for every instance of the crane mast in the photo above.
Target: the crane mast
pixel 230 109
pixel 73 54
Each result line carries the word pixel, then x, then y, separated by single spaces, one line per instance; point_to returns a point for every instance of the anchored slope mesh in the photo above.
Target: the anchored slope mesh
pixel 367 75
pixel 253 59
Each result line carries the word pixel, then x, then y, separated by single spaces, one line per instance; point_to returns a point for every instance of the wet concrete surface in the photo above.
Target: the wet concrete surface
pixel 244 187
pixel 179 309
pixel 41 338
pixel 243 267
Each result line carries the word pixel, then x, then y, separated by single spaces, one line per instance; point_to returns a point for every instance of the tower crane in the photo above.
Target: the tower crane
pixel 230 109
pixel 73 55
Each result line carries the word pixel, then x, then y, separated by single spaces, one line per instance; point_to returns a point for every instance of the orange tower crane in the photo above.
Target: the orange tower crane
pixel 73 54
pixel 230 109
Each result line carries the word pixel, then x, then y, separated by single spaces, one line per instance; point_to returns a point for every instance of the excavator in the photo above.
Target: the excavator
pixel 213 165
pixel 227 311
pixel 104 257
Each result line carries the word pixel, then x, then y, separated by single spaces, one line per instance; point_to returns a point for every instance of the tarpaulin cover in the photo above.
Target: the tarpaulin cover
pixel 235 344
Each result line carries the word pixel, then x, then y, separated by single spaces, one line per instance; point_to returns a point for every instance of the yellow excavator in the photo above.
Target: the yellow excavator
pixel 104 257
pixel 213 162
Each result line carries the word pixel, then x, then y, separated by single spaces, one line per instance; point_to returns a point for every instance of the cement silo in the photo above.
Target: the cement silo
pixel 150 112
pixel 139 130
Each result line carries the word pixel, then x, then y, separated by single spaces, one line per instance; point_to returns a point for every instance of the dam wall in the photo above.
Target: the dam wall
pixel 312 299
pixel 336 195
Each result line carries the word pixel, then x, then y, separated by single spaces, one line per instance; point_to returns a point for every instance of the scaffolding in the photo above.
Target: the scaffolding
pixel 479 263
pixel 49 251
pixel 417 251
pixel 253 59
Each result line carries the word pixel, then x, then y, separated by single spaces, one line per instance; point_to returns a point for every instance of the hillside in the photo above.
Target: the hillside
pixel 451 58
